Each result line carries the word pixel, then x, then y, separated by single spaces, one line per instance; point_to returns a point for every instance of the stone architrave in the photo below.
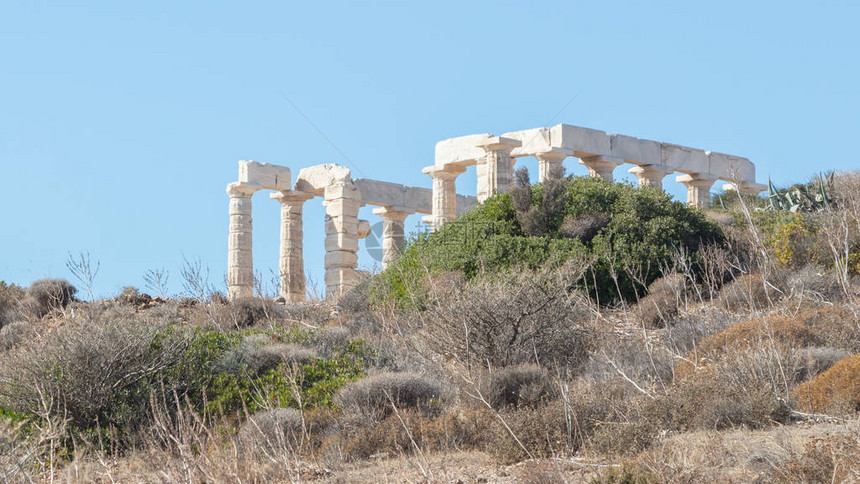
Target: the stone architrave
pixel 551 162
pixel 651 175
pixel 601 166
pixel 291 266
pixel 393 219
pixel 498 166
pixel 444 202
pixel 342 201
pixel 698 188
pixel 240 259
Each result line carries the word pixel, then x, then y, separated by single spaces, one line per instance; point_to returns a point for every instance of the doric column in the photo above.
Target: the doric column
pixel 444 194
pixel 291 266
pixel 651 175
pixel 498 165
pixel 240 259
pixel 342 202
pixel 393 219
pixel 698 188
pixel 551 163
pixel 601 166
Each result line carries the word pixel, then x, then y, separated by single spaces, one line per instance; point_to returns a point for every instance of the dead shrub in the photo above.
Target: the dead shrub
pixel 45 295
pixel 813 282
pixel 777 332
pixel 248 312
pixel 823 460
pixel 327 340
pixel 90 372
pixel 813 361
pixel 836 326
pixel 661 306
pixel 542 430
pixel 16 333
pixel 836 390
pixel 284 431
pixel 525 385
pixel 461 429
pixel 373 398
pixel 131 296
pixel 748 292
pixel 519 317
pixel 583 227
pixel 11 296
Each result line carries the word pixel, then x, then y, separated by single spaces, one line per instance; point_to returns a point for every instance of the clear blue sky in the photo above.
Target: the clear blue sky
pixel 122 122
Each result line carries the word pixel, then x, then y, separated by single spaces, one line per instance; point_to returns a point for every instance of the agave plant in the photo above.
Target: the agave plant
pixel 810 197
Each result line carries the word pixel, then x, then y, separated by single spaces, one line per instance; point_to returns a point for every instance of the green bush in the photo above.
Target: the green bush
pixel 622 228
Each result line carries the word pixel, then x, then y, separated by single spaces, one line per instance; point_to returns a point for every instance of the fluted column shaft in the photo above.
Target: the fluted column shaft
pixel 498 166
pixel 651 175
pixel 393 233
pixel 550 164
pixel 291 266
pixel 601 166
pixel 698 189
pixel 444 198
pixel 240 259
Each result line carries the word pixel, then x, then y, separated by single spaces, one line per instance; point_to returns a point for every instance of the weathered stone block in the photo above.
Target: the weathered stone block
pixel 681 158
pixel 265 175
pixel 585 141
pixel 635 150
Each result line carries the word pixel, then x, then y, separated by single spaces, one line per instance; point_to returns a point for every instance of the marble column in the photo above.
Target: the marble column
pixel 498 167
pixel 393 219
pixel 444 201
pixel 291 265
pixel 651 175
pixel 342 201
pixel 240 259
pixel 698 189
pixel 551 162
pixel 601 166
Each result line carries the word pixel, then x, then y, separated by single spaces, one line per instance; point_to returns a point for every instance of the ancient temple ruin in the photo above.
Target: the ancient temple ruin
pixel 494 158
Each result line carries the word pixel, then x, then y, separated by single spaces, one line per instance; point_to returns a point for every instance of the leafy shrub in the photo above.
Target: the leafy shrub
pixel 665 298
pixel 373 397
pixel 510 319
pixel 835 390
pixel 644 231
pixel 48 294
pixel 520 386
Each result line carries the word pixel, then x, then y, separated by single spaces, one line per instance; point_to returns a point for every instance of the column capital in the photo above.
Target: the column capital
pixel 291 196
pixel 744 187
pixel 393 213
pixel 241 190
pixel 499 143
pixel 554 154
pixel 445 172
pixel 651 170
pixel 697 180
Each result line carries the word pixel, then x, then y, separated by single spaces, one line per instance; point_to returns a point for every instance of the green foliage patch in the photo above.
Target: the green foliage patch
pixel 642 231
